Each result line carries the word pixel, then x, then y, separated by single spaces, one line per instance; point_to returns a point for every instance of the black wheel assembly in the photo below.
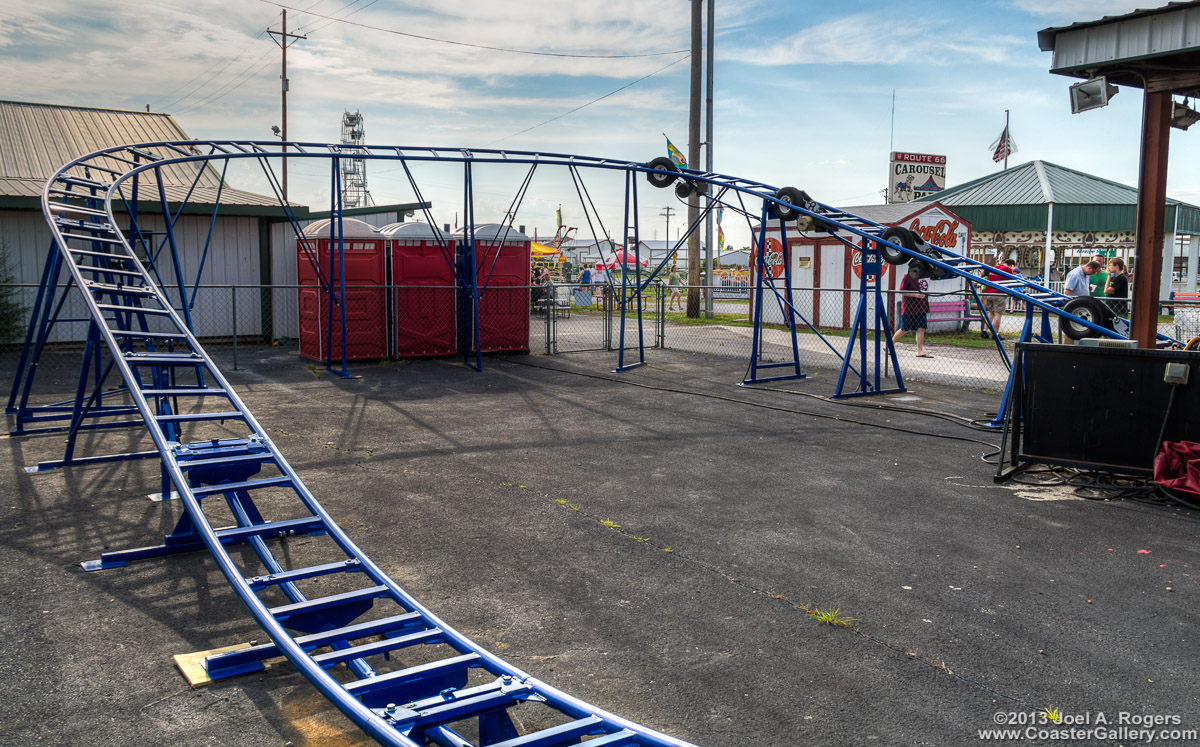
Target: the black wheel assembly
pixel 897 235
pixel 662 163
pixel 795 197
pixel 1090 310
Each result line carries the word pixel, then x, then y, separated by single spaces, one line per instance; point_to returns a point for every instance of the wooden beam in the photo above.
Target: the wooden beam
pixel 1180 81
pixel 1151 212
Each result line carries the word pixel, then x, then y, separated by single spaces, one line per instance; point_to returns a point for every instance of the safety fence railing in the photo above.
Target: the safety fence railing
pixel 244 323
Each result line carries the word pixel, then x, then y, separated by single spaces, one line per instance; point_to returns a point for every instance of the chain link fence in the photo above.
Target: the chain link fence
pixel 241 325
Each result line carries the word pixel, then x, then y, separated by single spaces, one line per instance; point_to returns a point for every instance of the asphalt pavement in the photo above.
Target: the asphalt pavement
pixel 655 542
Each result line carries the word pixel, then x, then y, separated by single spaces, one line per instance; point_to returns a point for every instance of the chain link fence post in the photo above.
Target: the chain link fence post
pixel 233 295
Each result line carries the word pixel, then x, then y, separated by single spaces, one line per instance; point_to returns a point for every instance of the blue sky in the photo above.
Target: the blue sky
pixel 803 89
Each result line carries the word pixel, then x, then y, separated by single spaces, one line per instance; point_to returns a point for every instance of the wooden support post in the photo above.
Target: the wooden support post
pixel 1151 212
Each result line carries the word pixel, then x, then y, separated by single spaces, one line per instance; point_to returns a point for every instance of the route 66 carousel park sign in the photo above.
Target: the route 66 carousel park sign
pixel 915 175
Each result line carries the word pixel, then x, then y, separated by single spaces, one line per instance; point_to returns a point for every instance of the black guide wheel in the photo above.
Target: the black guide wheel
pixel 794 196
pixel 1090 310
pixel 662 163
pixel 897 235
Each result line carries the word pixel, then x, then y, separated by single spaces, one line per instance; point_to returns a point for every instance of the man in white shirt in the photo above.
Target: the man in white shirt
pixel 1077 284
pixel 1077 279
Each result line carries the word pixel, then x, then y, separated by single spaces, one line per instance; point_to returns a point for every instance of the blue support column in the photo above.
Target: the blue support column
pixel 869 287
pixel 630 207
pixel 785 300
pixel 470 274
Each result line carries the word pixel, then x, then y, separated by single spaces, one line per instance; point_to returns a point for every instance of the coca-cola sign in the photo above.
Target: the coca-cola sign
pixel 775 257
pixel 940 229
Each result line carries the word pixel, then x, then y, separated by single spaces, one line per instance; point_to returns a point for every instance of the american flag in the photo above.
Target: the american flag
pixel 1004 146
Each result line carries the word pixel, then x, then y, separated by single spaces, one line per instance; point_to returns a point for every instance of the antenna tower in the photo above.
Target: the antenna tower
pixel 354 170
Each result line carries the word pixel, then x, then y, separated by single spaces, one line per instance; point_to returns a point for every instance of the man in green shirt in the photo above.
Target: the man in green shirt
pixel 1098 280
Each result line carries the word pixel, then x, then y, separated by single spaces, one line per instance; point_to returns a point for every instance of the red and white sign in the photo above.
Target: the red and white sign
pixel 856 263
pixel 914 175
pixel 941 229
pixel 774 252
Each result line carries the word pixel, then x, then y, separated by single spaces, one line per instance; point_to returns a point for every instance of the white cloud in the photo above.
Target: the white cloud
pixel 1071 11
pixel 884 38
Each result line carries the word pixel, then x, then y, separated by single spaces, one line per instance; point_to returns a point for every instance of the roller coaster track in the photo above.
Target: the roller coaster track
pixel 172 382
pixel 212 447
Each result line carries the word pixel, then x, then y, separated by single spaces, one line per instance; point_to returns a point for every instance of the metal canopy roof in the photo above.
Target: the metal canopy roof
pixel 37 139
pixel 1145 48
pixel 1016 199
pixel 1038 183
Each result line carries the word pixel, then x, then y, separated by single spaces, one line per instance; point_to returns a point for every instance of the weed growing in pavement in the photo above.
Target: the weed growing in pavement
pixel 831 616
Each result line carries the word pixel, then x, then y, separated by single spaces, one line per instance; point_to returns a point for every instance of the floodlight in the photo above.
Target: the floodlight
pixel 275 129
pixel 1183 116
pixel 1091 94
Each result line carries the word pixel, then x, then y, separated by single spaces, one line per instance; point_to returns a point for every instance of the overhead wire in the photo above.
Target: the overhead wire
pixel 242 77
pixel 210 78
pixel 593 101
pixel 477 46
pixel 230 87
pixel 167 96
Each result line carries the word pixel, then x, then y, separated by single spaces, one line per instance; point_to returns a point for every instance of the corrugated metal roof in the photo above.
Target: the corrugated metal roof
pixel 1161 45
pixel 887 214
pixel 1038 183
pixel 1046 37
pixel 37 139
pixel 201 195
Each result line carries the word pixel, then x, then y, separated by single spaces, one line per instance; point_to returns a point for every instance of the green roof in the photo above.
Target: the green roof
pixel 1016 199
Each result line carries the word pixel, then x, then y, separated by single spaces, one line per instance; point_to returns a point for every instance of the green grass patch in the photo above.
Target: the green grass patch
pixel 831 616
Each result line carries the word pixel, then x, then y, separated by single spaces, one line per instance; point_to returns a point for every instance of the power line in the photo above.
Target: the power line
pixel 583 106
pixel 475 46
pixel 244 77
pixel 210 78
pixel 339 10
pixel 240 55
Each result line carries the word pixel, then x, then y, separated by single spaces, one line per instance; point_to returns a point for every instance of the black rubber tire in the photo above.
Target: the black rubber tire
pixel 897 235
pixel 662 163
pixel 795 197
pixel 1089 309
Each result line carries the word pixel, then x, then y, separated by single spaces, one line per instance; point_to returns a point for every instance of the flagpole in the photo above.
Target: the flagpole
pixel 1006 138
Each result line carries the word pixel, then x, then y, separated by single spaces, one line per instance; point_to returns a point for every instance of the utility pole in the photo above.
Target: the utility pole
pixel 693 297
pixel 708 161
pixel 284 43
pixel 667 214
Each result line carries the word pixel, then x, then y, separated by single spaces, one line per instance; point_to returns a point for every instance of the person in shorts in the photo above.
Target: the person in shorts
pixel 993 300
pixel 914 313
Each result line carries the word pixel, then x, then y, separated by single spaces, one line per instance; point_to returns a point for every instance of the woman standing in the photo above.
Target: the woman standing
pixel 1117 287
pixel 674 282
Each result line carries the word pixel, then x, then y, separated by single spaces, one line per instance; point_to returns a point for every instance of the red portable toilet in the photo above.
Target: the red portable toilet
pixel 502 276
pixel 366 314
pixel 424 296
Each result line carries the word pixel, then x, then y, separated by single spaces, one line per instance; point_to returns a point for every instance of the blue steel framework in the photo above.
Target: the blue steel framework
pixel 168 377
pixel 937 262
